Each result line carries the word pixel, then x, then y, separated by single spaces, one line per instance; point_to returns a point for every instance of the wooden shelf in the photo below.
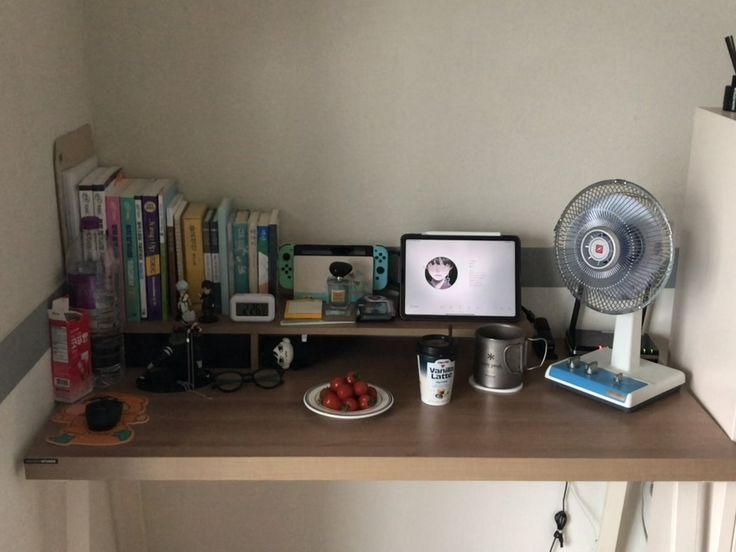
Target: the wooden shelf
pixel 540 433
pixel 393 328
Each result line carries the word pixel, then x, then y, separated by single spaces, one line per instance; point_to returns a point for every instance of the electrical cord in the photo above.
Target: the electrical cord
pixel 643 516
pixel 560 522
pixel 575 493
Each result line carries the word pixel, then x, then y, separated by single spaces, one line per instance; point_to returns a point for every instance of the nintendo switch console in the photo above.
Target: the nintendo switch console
pixel 370 263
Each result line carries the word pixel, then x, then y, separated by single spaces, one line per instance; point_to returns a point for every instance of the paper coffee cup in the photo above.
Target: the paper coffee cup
pixel 436 363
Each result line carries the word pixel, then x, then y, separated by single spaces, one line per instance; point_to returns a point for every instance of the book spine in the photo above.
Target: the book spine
pixel 207 246
pixel 223 216
pixel 229 252
pixel 171 269
pixel 262 258
pixel 164 253
pixel 253 252
pixel 240 258
pixel 130 259
pixel 273 254
pixel 216 274
pixel 99 212
pixel 193 257
pixel 141 258
pixel 115 245
pixel 87 220
pixel 152 257
pixel 179 239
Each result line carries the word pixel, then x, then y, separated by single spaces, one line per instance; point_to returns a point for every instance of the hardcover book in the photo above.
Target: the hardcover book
pixel 115 236
pixel 273 252
pixel 179 239
pixel 263 268
pixel 151 249
pixel 223 215
pixel 130 250
pixel 92 211
pixel 253 251
pixel 169 189
pixel 230 254
pixel 171 257
pixel 215 252
pixel 241 263
pixel 192 224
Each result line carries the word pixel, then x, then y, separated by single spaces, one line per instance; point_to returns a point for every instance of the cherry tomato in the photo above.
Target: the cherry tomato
pixel 360 388
pixel 345 391
pixel 372 392
pixel 350 404
pixel 332 401
pixel 324 392
pixel 366 401
pixel 351 377
pixel 336 382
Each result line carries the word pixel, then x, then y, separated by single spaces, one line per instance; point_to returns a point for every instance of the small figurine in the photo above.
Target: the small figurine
pixel 208 302
pixel 283 353
pixel 184 305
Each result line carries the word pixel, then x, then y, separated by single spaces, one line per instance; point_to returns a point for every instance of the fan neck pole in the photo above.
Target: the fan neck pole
pixel 626 342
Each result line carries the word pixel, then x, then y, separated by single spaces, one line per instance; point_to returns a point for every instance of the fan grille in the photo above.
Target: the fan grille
pixel 614 247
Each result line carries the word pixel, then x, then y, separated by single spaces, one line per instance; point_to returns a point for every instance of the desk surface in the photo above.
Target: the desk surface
pixel 540 433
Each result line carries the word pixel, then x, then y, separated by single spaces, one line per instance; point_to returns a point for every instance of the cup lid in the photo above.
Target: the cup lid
pixel 436 344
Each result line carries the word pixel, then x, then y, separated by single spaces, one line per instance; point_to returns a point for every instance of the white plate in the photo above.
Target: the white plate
pixel 384 401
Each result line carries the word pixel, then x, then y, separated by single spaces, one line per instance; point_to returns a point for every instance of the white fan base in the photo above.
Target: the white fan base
pixel 659 379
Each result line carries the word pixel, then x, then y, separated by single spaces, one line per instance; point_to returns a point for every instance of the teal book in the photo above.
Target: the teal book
pixel 241 262
pixel 223 215
pixel 130 250
pixel 229 253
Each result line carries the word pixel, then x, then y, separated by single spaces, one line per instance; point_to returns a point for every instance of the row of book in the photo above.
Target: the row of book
pixel 158 237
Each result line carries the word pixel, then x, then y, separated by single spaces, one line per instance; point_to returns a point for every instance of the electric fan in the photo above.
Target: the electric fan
pixel 614 250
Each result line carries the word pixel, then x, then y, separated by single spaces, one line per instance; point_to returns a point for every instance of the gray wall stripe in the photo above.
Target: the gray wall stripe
pixel 24 346
pixel 539 269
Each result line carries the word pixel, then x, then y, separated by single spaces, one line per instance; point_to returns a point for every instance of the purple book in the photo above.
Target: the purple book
pixel 152 249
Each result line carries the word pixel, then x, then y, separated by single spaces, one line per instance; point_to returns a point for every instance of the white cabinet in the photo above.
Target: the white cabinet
pixel 703 339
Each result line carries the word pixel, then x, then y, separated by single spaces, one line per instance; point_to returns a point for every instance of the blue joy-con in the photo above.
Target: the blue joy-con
pixel 380 267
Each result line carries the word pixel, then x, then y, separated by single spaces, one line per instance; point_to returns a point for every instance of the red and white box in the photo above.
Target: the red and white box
pixel 71 358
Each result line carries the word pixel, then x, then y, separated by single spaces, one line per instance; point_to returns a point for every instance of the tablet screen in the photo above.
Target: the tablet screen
pixel 460 277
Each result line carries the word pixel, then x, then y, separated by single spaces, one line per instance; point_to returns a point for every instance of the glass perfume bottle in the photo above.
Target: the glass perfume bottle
pixel 339 285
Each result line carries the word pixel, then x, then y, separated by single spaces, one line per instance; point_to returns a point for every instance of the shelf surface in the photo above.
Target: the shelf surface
pixel 540 433
pixel 394 328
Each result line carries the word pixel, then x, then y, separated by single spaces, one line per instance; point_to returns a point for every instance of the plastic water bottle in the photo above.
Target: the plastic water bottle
pixel 92 275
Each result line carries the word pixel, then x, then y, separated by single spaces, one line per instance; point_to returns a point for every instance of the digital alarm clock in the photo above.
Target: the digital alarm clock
pixel 252 307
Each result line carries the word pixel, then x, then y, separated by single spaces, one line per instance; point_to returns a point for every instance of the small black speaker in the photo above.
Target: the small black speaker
pixel 103 413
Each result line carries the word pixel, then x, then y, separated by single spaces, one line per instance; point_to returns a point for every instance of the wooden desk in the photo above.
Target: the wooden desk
pixel 541 433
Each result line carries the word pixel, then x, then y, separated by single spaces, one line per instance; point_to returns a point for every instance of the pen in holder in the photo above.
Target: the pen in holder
pixel 729 96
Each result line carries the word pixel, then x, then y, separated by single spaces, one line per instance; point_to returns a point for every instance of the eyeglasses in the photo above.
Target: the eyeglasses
pixel 265 378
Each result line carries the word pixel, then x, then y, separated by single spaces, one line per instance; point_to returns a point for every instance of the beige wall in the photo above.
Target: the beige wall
pixel 364 120
pixel 43 93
